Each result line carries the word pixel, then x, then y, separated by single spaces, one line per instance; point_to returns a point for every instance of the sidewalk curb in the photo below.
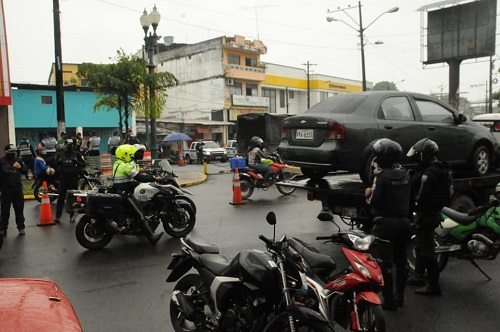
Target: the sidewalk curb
pixel 202 179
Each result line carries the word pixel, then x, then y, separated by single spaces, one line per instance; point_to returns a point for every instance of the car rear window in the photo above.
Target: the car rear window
pixel 339 104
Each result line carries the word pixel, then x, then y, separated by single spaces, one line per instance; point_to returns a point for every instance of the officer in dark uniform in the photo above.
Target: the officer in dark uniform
pixel 11 169
pixel 389 198
pixel 68 165
pixel 432 187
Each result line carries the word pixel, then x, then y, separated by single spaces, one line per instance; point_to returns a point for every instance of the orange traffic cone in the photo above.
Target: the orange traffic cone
pixel 45 209
pixel 237 199
pixel 181 161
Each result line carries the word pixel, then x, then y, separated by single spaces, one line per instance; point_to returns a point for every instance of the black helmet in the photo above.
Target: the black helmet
pixel 387 152
pixel 256 141
pixel 422 151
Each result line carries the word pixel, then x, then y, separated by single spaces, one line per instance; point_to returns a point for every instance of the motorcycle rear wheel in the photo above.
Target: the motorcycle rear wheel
pixel 411 253
pixel 90 235
pixel 371 317
pixel 246 188
pixel 181 222
pixel 188 286
pixel 285 190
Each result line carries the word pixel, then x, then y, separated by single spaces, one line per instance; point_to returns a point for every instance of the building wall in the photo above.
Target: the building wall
pixel 32 116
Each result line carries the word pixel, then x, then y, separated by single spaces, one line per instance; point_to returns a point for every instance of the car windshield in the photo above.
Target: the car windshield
pixel 211 145
pixel 339 104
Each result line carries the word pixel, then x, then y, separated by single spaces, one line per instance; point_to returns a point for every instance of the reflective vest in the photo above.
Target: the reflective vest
pixel 124 172
pixel 50 144
pixel 25 149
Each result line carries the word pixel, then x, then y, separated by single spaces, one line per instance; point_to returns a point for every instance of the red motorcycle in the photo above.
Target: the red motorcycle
pixel 251 179
pixel 343 287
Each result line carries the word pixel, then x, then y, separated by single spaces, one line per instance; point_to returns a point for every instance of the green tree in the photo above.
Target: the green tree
pixel 385 86
pixel 124 85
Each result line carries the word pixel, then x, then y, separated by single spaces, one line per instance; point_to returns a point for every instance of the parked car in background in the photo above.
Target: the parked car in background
pixel 491 121
pixel 232 148
pixel 35 305
pixel 211 151
pixel 335 134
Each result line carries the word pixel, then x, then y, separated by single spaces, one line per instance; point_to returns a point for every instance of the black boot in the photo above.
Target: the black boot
pixel 417 279
pixel 389 302
pixel 432 288
pixel 401 277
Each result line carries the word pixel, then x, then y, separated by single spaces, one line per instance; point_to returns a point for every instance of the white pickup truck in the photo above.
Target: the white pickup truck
pixel 232 148
pixel 211 151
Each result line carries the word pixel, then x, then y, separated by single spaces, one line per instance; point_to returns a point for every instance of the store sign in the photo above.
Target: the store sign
pixel 250 101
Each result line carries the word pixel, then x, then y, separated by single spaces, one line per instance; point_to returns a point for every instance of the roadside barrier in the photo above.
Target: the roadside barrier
pixel 45 209
pixel 237 199
pixel 106 165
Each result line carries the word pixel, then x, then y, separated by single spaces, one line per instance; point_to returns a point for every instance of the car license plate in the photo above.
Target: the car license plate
pixel 304 134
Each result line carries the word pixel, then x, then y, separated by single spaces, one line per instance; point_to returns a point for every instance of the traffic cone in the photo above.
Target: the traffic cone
pixel 45 209
pixel 181 161
pixel 237 199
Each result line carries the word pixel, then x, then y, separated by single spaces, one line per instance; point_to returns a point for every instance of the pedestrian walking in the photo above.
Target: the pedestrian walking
pixel 28 155
pixel 113 142
pixel 131 138
pixel 50 144
pixel 11 170
pixel 94 145
pixel 432 188
pixel 389 199
pixel 68 164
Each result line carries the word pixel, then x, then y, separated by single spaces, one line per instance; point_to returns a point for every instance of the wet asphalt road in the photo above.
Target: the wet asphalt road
pixel 123 288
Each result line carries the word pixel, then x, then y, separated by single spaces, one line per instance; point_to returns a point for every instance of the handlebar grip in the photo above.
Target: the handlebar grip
pixel 265 239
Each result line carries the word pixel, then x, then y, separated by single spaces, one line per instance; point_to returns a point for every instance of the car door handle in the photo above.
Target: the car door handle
pixel 388 127
pixel 431 128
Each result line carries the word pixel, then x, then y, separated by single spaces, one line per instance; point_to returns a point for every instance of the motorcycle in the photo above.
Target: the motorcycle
pixel 89 179
pixel 467 236
pixel 252 292
pixel 251 179
pixel 107 214
pixel 343 287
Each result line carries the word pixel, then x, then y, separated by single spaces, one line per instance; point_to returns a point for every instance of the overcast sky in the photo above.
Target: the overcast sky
pixel 294 32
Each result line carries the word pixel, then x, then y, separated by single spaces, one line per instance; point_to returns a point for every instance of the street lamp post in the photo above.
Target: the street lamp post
pixel 153 19
pixel 360 29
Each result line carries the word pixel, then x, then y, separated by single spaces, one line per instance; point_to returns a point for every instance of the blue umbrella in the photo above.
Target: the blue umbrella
pixel 176 137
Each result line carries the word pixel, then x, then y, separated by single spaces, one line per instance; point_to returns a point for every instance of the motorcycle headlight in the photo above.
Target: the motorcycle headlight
pixel 363 270
pixel 362 243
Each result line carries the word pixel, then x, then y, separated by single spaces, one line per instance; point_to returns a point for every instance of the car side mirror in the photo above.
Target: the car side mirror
pixel 461 118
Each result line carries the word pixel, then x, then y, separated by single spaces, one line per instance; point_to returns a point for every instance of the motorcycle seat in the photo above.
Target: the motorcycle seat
pixel 461 218
pixel 313 258
pixel 201 246
pixel 216 263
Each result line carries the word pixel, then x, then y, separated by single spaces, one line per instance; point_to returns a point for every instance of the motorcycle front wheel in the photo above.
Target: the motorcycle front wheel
pixel 246 188
pixel 188 286
pixel 285 177
pixel 38 193
pixel 411 253
pixel 90 234
pixel 179 221
pixel 371 318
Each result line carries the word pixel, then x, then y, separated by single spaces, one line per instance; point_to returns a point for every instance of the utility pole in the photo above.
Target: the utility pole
pixel 308 65
pixel 490 106
pixel 61 121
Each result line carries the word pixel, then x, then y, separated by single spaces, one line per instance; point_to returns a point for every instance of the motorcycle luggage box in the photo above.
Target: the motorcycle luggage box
pixel 76 201
pixel 104 205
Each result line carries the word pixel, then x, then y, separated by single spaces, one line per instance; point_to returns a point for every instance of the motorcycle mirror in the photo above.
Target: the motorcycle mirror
pixel 271 218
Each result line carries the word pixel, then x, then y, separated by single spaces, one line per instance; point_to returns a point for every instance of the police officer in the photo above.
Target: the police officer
pixel 27 154
pixel 389 198
pixel 125 173
pixel 68 165
pixel 432 187
pixel 11 168
pixel 199 152
pixel 50 144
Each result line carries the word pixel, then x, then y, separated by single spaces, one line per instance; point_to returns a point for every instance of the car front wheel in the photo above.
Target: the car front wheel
pixel 480 161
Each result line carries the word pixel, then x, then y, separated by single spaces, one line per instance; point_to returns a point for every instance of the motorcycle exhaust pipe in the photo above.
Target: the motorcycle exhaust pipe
pixel 483 238
pixel 184 305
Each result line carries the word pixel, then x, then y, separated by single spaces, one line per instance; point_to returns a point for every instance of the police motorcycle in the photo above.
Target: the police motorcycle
pixel 468 236
pixel 108 214
pixel 252 292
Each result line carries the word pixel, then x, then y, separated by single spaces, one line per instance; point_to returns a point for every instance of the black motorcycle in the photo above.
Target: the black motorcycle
pixel 252 292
